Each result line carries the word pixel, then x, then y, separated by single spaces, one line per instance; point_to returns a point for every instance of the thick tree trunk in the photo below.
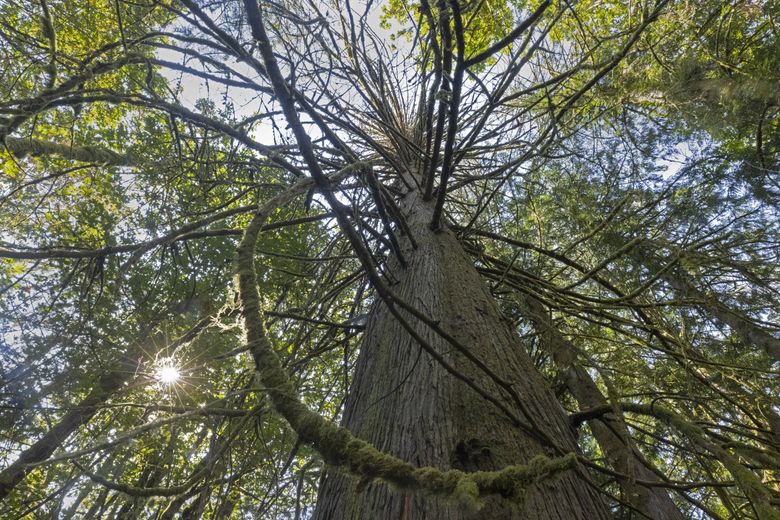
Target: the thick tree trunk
pixel 610 432
pixel 405 403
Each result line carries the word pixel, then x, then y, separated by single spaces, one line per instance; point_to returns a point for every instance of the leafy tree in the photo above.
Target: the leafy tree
pixel 435 260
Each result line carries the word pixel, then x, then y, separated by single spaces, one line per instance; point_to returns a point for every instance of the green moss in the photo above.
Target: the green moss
pixel 467 492
pixel 90 154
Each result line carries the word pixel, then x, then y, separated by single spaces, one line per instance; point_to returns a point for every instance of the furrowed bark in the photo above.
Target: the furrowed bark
pixel 404 403
pixel 339 448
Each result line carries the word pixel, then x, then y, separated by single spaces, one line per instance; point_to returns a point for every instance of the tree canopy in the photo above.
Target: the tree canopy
pixel 202 201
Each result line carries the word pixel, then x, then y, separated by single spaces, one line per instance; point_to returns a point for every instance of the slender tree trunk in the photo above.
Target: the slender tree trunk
pixel 98 506
pixel 743 327
pixel 174 506
pixel 610 432
pixel 152 474
pixel 104 388
pixel 750 332
pixel 70 422
pixel 407 404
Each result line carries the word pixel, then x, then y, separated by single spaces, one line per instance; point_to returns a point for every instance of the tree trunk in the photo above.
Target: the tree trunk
pixel 610 432
pixel 70 422
pixel 745 328
pixel 406 404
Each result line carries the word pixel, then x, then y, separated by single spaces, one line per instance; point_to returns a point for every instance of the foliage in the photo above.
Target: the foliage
pixel 615 164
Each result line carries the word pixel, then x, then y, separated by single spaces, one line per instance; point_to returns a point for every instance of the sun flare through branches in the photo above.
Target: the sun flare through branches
pixel 166 372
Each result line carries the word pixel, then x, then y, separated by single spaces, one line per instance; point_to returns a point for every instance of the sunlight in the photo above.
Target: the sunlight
pixel 167 373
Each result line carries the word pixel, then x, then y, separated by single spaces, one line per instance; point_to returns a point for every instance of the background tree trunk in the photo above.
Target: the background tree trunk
pixel 610 431
pixel 407 404
pixel 745 328
pixel 70 422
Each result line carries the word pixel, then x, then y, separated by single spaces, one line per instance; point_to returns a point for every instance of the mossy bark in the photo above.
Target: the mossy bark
pixel 407 404
pixel 22 147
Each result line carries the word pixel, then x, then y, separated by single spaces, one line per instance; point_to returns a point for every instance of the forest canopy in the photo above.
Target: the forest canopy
pixel 389 259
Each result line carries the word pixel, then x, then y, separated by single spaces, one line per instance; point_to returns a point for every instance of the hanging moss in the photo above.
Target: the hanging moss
pixel 467 492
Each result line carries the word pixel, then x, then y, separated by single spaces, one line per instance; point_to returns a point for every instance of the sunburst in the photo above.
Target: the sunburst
pixel 166 371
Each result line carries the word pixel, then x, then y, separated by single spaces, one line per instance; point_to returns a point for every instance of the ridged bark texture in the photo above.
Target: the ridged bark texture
pixel 407 405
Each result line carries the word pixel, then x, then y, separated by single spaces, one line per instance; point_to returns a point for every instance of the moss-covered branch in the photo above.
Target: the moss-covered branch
pixel 47 27
pixel 23 147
